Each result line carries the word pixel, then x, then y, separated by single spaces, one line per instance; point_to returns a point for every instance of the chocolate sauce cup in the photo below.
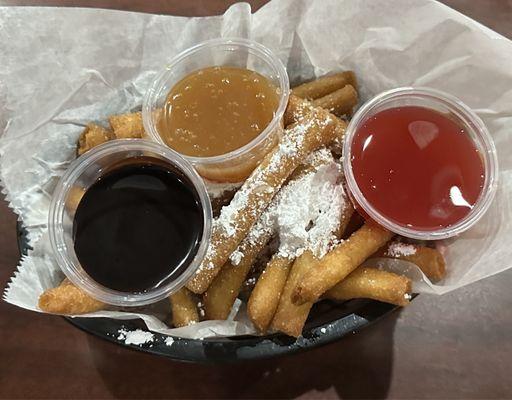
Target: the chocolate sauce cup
pixel 83 173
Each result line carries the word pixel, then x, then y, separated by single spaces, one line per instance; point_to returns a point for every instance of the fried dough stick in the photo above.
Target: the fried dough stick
pixel 315 131
pixel 265 296
pixel 430 261
pixel 225 288
pixel 364 282
pixel 68 299
pixel 184 308
pixel 325 85
pixel 289 318
pixel 92 136
pixel 296 110
pixel 372 283
pixel 340 262
pixel 126 126
pixel 340 102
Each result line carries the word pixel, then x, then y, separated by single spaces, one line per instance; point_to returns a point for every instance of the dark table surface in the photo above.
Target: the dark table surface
pixel 454 346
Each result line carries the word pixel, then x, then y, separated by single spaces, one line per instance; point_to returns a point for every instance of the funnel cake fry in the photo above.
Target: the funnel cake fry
pixel 290 317
pixel 68 299
pixel 375 284
pixel 126 126
pixel 325 85
pixel 265 296
pixel 340 262
pixel 222 293
pixel 430 261
pixel 341 102
pixel 92 136
pixel 184 308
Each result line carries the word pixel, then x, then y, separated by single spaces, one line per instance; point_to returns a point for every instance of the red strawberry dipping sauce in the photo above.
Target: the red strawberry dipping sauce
pixel 416 167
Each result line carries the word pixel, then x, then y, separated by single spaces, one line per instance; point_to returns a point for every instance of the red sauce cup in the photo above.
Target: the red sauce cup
pixel 459 113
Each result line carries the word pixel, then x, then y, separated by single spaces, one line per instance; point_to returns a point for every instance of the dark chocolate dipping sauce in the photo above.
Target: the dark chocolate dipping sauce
pixel 138 227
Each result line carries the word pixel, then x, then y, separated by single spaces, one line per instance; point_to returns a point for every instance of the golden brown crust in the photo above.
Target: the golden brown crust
pixel 296 110
pixel 372 283
pixel 340 103
pixel 184 308
pixel 92 136
pixel 68 299
pixel 127 126
pixel 340 262
pixel 430 261
pixel 265 296
pixel 325 85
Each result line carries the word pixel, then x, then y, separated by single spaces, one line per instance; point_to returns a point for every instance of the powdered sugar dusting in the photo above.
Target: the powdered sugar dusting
pixel 137 337
pixel 260 232
pixel 255 194
pixel 236 257
pixel 309 212
pixel 217 189
pixel 397 249
pixel 319 157
pixel 255 186
pixel 306 213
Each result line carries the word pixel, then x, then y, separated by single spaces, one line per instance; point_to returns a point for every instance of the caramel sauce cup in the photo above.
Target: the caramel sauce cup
pixel 236 165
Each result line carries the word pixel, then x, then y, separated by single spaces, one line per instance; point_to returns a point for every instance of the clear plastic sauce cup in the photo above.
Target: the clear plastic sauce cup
pixel 81 175
pixel 422 134
pixel 242 53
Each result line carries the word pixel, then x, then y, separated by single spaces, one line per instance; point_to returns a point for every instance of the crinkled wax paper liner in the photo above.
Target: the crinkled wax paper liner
pixel 68 67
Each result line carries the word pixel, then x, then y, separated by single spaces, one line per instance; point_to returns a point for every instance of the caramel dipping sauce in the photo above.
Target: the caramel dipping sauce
pixel 217 110
pixel 220 104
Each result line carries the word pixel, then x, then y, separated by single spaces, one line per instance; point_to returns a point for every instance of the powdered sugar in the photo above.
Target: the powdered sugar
pixel 236 257
pixel 397 249
pixel 260 232
pixel 256 183
pixel 306 212
pixel 137 337
pixel 217 189
pixel 255 194
pixel 169 341
pixel 200 309
pixel 309 212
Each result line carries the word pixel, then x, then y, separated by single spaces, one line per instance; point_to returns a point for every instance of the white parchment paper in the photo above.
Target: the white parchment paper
pixel 63 68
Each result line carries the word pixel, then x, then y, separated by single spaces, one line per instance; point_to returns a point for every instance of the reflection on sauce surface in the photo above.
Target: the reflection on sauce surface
pixel 417 167
pixel 216 110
